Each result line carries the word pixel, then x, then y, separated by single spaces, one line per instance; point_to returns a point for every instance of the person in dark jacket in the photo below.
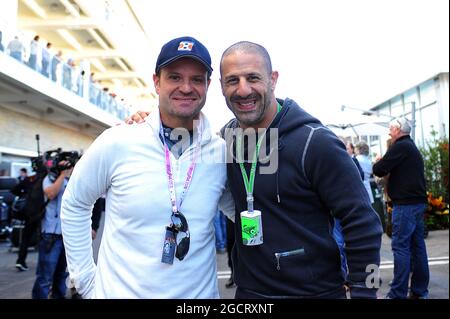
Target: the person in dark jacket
pixel 407 190
pixel 351 151
pixel 230 243
pixel 314 181
pixel 29 213
pixel 97 210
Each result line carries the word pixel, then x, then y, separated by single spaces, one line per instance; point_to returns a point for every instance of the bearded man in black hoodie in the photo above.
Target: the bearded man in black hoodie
pixel 314 181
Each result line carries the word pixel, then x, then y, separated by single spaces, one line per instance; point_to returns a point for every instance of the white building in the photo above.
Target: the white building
pixel 67 109
pixel 427 103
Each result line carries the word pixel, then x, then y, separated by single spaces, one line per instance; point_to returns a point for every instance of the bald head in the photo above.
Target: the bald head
pixel 248 47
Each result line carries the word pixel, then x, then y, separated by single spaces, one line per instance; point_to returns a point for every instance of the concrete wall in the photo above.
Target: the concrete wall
pixel 18 132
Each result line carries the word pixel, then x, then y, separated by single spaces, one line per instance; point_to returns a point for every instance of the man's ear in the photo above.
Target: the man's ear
pixel 221 86
pixel 156 83
pixel 274 79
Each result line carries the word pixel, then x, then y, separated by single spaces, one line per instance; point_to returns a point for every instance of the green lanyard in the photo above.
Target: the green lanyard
pixel 249 183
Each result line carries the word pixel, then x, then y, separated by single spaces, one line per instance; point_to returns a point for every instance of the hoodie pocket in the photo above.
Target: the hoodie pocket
pixel 286 255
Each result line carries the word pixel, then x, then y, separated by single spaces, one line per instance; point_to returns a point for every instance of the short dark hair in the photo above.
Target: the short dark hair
pixel 351 145
pixel 249 47
pixel 23 169
pixel 362 148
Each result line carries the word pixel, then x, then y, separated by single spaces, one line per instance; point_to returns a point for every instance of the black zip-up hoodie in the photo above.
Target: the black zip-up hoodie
pixel 316 179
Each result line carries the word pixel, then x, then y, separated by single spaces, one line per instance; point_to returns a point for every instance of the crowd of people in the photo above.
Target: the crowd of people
pixel 66 72
pixel 283 195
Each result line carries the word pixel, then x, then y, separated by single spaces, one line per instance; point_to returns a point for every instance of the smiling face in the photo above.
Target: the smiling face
pixel 182 86
pixel 248 88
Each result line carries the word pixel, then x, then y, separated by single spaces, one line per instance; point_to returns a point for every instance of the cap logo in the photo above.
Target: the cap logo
pixel 185 46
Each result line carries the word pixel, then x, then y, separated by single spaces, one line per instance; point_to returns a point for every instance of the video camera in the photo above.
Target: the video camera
pixel 52 161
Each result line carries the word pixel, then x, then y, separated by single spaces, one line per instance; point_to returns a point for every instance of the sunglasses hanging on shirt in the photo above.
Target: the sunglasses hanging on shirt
pixel 179 226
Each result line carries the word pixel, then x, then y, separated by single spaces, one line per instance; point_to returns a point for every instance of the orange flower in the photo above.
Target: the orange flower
pixel 437 202
pixel 444 146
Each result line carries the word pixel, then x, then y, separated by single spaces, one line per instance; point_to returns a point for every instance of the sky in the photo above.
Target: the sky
pixel 328 53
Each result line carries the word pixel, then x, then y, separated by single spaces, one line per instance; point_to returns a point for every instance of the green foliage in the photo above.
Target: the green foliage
pixel 435 155
pixel 436 222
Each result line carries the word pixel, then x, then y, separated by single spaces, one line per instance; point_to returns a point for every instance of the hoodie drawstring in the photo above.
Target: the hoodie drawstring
pixel 278 188
pixel 278 170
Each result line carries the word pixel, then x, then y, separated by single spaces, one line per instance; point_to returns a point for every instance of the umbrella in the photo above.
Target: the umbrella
pixel 369 128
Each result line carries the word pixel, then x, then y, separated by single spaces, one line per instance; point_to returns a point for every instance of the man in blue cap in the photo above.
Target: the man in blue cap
pixel 157 242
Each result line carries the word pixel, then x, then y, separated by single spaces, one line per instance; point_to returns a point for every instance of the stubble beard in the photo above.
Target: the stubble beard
pixel 252 119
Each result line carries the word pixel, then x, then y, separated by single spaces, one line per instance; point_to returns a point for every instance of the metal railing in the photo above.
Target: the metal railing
pixel 14 44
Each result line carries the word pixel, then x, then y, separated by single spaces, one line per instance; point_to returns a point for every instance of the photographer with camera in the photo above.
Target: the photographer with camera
pixel 51 269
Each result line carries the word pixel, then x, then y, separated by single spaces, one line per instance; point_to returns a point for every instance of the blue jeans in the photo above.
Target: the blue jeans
pixel 45 67
pixel 17 55
pixel 220 225
pixel 32 61
pixel 67 77
pixel 408 245
pixel 339 238
pixel 51 269
pixel 54 66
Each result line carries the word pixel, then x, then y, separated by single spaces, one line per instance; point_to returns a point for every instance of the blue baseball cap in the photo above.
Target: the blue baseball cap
pixel 184 47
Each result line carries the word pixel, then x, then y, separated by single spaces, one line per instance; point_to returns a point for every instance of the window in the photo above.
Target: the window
pixel 427 93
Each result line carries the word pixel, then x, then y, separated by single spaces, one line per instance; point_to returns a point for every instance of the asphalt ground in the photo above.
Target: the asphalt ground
pixel 16 284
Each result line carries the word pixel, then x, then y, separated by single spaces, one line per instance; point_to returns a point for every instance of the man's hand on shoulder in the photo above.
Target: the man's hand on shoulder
pixel 138 117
